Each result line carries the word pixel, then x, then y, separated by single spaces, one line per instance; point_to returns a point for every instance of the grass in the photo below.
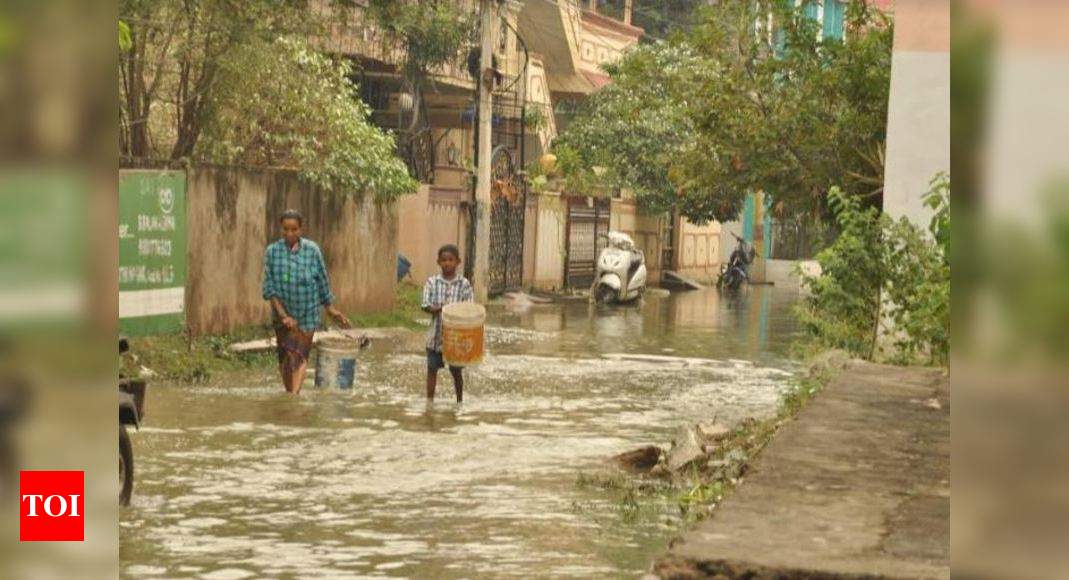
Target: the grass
pixel 406 311
pixel 176 357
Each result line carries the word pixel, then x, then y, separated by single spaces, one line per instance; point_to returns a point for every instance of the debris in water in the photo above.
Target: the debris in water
pixel 686 448
pixel 713 431
pixel 641 460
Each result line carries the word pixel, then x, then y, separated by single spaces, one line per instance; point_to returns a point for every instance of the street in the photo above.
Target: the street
pixel 238 480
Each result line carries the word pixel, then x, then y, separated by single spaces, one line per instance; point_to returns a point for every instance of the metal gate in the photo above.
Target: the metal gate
pixel 508 200
pixel 588 223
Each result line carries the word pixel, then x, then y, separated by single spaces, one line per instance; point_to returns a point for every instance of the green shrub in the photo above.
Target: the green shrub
pixel 883 278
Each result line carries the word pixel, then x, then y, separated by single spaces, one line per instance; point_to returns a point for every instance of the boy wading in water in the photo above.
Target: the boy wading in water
pixel 297 286
pixel 445 288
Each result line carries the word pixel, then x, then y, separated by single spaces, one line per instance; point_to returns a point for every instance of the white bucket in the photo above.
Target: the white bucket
pixel 336 364
pixel 463 340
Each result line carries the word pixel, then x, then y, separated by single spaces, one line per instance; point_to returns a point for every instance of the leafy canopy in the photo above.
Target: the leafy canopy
pixel 633 131
pixel 733 107
pixel 306 115
pixel 240 82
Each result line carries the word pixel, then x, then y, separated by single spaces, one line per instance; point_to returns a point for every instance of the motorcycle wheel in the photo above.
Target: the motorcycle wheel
pixel 126 466
pixel 730 281
pixel 603 294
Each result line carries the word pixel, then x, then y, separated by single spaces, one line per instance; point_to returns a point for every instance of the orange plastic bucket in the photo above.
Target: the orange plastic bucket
pixel 463 339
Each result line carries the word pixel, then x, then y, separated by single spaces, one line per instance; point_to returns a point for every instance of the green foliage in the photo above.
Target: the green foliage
pixel 938 200
pixel 731 108
pixel 883 276
pixel 225 82
pixel 634 128
pixel 430 32
pixel 406 312
pixel 843 308
pixel 660 19
pixel 125 41
pixel 534 118
pixel 170 74
pixel 281 103
pixel 787 112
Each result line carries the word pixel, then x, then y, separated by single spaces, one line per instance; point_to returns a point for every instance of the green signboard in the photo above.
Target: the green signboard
pixel 152 251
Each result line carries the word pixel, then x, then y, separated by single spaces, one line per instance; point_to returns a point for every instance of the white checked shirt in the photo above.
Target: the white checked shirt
pixel 438 292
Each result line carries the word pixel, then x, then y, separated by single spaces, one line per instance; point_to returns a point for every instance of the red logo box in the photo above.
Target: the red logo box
pixel 51 506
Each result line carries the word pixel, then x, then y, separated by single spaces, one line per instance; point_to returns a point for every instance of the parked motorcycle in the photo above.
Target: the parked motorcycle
pixel 131 412
pixel 620 276
pixel 735 271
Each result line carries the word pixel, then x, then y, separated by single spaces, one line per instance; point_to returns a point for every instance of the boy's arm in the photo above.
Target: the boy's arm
pixel 467 294
pixel 426 304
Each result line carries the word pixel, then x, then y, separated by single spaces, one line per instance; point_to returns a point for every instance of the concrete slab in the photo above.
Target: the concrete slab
pixel 857 486
pixel 335 334
pixel 677 279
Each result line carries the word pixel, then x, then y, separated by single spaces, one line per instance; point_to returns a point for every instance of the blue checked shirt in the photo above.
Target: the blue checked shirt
pixel 299 279
pixel 438 292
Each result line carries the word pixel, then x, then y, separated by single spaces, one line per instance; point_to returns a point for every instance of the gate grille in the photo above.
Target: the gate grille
pixel 506 225
pixel 588 222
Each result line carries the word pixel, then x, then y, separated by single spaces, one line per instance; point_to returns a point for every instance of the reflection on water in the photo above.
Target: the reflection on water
pixel 240 481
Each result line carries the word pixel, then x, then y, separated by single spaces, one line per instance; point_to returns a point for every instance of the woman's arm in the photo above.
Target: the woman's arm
pixel 326 297
pixel 280 311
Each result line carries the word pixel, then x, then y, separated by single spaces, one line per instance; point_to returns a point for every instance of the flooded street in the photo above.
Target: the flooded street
pixel 238 480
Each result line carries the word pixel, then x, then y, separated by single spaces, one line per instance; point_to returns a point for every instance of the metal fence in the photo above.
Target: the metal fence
pixel 800 239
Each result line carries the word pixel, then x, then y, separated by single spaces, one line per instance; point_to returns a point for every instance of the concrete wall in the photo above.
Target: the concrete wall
pixel 645 229
pixel 782 273
pixel 918 116
pixel 233 214
pixel 431 218
pixel 698 250
pixel 544 241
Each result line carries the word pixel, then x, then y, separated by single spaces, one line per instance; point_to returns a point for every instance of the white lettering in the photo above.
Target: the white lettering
pixel 153 247
pixel 156 223
pixel 33 504
pixel 62 502
pixel 74 505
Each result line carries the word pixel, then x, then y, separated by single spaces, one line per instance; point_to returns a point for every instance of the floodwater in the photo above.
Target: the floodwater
pixel 238 480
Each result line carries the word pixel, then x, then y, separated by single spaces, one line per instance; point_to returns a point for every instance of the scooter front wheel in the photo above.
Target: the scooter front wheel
pixel 603 294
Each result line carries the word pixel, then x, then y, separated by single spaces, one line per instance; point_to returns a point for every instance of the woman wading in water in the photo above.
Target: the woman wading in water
pixel 297 286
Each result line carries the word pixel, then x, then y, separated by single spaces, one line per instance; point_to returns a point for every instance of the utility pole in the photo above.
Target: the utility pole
pixel 481 267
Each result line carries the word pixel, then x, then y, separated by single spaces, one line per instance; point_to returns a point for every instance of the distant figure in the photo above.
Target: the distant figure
pixel 297 286
pixel 445 288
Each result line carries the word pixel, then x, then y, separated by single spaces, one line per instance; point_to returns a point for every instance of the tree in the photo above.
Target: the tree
pixel 787 111
pixel 661 19
pixel 631 132
pixel 429 33
pixel 306 115
pixel 781 110
pixel 177 47
pixel 238 82
pixel 883 277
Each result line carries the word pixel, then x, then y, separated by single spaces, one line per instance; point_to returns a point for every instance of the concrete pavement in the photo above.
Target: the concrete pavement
pixel 857 486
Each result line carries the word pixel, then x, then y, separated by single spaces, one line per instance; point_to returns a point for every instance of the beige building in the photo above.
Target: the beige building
pixel 548 54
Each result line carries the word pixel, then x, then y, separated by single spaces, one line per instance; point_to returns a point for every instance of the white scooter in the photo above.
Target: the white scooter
pixel 620 276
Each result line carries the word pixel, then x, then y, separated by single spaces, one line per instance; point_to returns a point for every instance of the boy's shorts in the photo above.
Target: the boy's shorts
pixel 435 362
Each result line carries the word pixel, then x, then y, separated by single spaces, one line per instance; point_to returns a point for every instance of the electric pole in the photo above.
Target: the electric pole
pixel 481 267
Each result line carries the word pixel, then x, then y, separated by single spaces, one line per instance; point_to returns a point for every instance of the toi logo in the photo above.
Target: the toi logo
pixel 51 506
